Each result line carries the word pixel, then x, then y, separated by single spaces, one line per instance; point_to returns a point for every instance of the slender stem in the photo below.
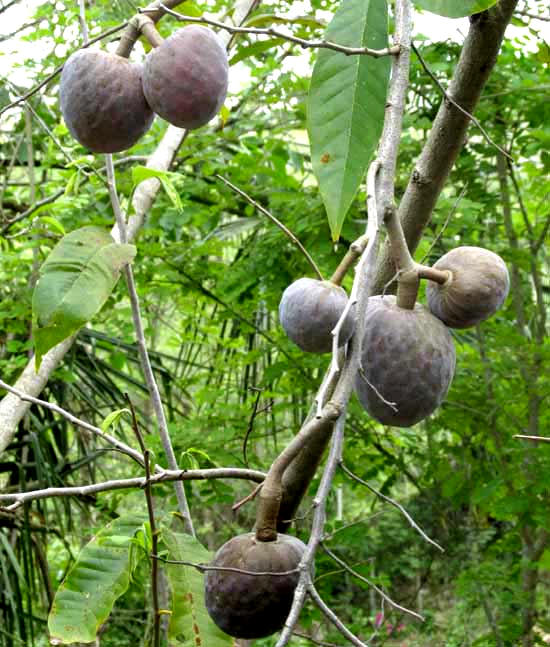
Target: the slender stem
pixel 275 33
pixel 148 29
pixel 152 525
pixel 162 476
pixel 354 252
pixel 152 386
pixel 286 231
pixel 83 23
pixel 432 274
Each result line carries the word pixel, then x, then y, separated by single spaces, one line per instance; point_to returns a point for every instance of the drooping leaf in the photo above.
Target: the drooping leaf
pixel 455 8
pixel 99 577
pixel 346 103
pixel 190 624
pixel 140 173
pixel 75 281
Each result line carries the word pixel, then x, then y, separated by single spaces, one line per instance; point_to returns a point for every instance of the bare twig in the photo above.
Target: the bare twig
pixel 456 105
pixel 20 29
pixel 204 568
pixel 532 15
pixel 19 498
pixel 148 374
pixel 389 500
pixel 538 438
pixel 247 498
pixel 275 33
pixel 286 231
pixel 28 212
pixel 152 526
pixel 447 220
pixel 332 617
pixel 83 23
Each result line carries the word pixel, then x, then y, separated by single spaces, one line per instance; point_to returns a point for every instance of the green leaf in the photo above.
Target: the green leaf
pixel 75 281
pixel 256 49
pixel 346 104
pixel 49 220
pixel 190 623
pixel 99 577
pixel 113 417
pixel 140 173
pixel 455 8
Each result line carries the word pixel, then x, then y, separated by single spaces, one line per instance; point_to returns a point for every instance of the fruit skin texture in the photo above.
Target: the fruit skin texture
pixel 253 606
pixel 309 310
pixel 102 101
pixel 478 286
pixel 185 78
pixel 409 356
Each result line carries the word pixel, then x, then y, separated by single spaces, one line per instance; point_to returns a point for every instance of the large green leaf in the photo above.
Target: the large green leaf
pixel 455 8
pixel 100 575
pixel 190 624
pixel 347 97
pixel 75 281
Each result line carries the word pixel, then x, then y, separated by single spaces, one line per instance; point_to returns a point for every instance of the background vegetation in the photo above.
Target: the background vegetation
pixel 210 277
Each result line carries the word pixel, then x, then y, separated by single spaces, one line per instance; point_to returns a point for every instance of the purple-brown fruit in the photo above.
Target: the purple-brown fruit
pixel 310 309
pixel 477 286
pixel 408 358
pixel 185 78
pixel 102 101
pixel 253 606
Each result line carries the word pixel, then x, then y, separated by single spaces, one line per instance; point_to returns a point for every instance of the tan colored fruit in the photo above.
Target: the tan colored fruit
pixel 310 309
pixel 408 358
pixel 102 101
pixel 476 289
pixel 185 78
pixel 253 606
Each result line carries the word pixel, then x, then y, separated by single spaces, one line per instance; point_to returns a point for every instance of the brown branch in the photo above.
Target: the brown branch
pixel 275 33
pixel 28 212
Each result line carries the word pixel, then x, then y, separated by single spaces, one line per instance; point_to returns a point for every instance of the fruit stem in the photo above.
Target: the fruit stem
pixel 430 273
pixel 354 252
pixel 139 24
pixel 271 493
pixel 408 283
pixel 148 29
pixel 398 245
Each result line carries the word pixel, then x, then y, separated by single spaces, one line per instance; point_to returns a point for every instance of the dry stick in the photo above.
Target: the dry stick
pixel 354 252
pixel 122 447
pixel 532 15
pixel 286 231
pixel 317 44
pixel 148 374
pixel 389 500
pixel 456 105
pixel 204 568
pixel 152 525
pixel 542 438
pixel 332 617
pixel 58 69
pixel 31 210
pixel 163 476
pixel 383 595
pixel 83 23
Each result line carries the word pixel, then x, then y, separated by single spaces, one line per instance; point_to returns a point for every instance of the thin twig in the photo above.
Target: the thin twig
pixel 541 438
pixel 532 15
pixel 152 525
pixel 383 595
pixel 31 210
pixel 163 476
pixel 389 500
pixel 447 220
pixel 122 447
pixel 275 33
pixel 251 423
pixel 83 23
pixel 448 97
pixel 149 376
pixel 204 568
pixel 247 498
pixel 332 617
pixel 286 231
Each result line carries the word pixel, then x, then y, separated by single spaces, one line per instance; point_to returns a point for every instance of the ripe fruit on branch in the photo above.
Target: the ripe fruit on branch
pixel 310 309
pixel 477 286
pixel 185 78
pixel 408 358
pixel 253 606
pixel 102 101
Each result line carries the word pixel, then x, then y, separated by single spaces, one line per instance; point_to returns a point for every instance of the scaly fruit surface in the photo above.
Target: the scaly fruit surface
pixel 408 358
pixel 477 286
pixel 102 101
pixel 309 310
pixel 253 606
pixel 185 78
